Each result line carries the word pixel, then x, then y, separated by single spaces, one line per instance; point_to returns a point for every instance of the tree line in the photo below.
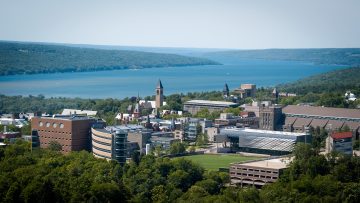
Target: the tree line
pixel 43 175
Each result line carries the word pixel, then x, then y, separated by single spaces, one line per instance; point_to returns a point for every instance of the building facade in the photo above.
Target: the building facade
pixel 193 106
pixel 299 117
pixel 246 90
pixel 270 117
pixel 73 133
pixel 109 143
pixel 257 173
pixel 159 98
pixel 340 142
pixel 262 141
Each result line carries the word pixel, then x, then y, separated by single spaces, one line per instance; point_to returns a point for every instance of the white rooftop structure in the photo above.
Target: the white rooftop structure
pixel 278 163
pixel 211 103
pixel 77 111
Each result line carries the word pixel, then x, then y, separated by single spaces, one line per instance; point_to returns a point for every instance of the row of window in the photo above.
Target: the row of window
pixel 255 175
pixel 54 125
pixel 51 131
pixel 256 170
pixel 56 138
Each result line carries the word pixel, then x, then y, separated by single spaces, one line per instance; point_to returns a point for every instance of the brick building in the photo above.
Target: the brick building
pixel 71 132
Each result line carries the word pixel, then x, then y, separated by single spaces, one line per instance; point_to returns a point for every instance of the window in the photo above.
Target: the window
pixel 61 125
pixel 47 124
pixel 54 125
pixel 41 124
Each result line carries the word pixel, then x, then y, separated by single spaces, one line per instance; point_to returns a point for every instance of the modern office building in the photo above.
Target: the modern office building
pixel 299 117
pixel 193 106
pixel 340 142
pixel 261 141
pixel 73 133
pixel 164 142
pixel 112 142
pixel 257 173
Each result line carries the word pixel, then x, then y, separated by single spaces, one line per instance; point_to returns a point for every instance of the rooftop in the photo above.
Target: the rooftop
pixel 78 111
pixel 322 111
pixel 248 130
pixel 211 103
pixel 341 135
pixel 125 128
pixel 279 163
pixel 67 117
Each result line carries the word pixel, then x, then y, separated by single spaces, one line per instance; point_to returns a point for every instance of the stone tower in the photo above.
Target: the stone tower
pixel 159 95
pixel 226 91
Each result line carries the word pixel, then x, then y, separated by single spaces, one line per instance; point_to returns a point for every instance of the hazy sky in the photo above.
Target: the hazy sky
pixel 241 24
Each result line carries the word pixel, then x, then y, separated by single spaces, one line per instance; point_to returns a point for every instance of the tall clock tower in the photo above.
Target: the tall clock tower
pixel 159 95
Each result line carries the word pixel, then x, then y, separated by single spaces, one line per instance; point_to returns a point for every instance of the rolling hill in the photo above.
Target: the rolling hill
pixel 32 58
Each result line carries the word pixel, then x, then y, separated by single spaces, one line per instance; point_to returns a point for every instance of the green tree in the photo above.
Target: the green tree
pixel 177 148
pixel 54 146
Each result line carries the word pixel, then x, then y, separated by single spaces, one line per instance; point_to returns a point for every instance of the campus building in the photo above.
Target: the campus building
pixel 257 173
pixel 71 132
pixel 297 118
pixel 193 106
pixel 270 117
pixel 246 90
pixel 111 142
pixel 340 142
pixel 261 141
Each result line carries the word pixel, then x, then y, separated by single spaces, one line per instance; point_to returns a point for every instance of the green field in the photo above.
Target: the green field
pixel 216 161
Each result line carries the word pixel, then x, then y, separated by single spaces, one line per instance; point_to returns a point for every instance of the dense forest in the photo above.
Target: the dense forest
pixel 333 81
pixel 326 89
pixel 31 58
pixel 45 175
pixel 343 56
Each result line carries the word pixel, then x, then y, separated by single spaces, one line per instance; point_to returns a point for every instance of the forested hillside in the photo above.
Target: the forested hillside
pixel 327 89
pixel 30 58
pixel 348 56
pixel 338 80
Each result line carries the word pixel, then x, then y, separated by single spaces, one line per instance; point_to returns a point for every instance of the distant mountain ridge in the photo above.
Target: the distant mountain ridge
pixel 32 58
pixel 338 56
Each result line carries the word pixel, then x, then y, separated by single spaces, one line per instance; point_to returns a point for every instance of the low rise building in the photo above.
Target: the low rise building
pixel 212 133
pixel 262 141
pixel 246 90
pixel 340 142
pixel 193 106
pixel 298 117
pixel 257 173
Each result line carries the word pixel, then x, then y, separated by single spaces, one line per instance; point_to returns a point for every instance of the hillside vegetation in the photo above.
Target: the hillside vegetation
pixel 347 56
pixel 338 80
pixel 327 89
pixel 31 58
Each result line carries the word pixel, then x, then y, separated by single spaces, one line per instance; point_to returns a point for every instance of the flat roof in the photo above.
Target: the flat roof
pixel 278 163
pixel 210 103
pixel 78 111
pixel 322 111
pixel 66 117
pixel 262 131
pixel 130 127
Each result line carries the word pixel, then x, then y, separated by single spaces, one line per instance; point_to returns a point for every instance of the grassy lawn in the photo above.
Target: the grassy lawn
pixel 216 161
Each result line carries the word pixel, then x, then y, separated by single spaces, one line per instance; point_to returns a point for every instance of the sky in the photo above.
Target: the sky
pixel 239 24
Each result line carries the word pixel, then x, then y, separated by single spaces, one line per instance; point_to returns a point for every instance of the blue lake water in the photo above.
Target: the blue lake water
pixel 127 83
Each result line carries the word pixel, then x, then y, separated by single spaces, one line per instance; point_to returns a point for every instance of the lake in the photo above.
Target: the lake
pixel 127 83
